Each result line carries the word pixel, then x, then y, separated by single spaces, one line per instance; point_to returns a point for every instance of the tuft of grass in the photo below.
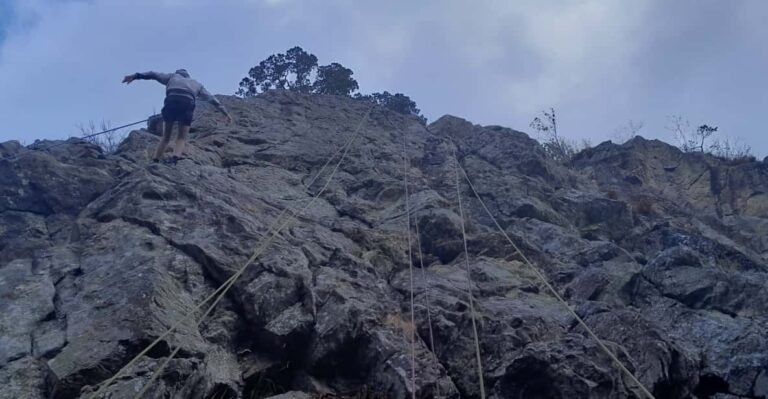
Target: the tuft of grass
pixel 397 321
pixel 643 206
pixel 263 388
pixel 365 392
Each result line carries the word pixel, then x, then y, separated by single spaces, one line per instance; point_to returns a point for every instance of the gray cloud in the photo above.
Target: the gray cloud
pixel 7 15
pixel 599 63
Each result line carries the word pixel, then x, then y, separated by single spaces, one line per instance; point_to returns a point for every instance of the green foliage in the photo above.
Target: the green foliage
pixel 334 79
pixel 298 70
pixel 302 65
pixel 548 126
pixel 702 140
pixel 703 132
pixel 398 102
pixel 290 71
pixel 555 146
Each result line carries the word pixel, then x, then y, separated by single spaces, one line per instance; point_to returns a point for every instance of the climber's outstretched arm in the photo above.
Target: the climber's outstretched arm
pixel 215 101
pixel 158 76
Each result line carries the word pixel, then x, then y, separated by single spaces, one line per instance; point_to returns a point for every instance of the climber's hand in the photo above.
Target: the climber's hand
pixel 129 78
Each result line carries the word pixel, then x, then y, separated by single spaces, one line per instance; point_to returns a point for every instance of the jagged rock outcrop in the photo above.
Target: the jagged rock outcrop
pixel 664 254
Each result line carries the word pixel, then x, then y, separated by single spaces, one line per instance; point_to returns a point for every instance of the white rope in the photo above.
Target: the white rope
pixel 292 218
pixel 224 287
pixel 86 137
pixel 551 289
pixel 406 165
pixel 327 162
pixel 427 301
pixel 469 281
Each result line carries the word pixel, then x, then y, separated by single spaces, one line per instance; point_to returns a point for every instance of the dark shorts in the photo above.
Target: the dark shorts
pixel 178 109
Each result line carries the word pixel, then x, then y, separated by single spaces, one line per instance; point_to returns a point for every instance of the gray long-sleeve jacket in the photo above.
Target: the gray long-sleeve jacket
pixel 176 84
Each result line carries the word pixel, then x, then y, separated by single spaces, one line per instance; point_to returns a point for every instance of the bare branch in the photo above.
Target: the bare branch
pixel 627 132
pixel 109 141
pixel 556 147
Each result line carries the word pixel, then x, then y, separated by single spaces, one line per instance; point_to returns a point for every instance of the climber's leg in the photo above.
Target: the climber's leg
pixel 167 129
pixel 181 140
pixel 184 113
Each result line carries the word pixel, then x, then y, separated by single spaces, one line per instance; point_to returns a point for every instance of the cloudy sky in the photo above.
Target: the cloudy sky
pixel 599 63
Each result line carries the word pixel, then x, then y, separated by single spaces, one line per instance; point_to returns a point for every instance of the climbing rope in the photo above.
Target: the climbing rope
pixel 292 218
pixel 280 224
pixel 549 286
pixel 15 157
pixel 115 128
pixel 325 165
pixel 406 164
pixel 175 326
pixel 222 290
pixel 226 286
pixel 469 280
pixel 427 301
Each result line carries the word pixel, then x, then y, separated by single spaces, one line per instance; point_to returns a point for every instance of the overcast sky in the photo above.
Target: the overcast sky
pixel 599 63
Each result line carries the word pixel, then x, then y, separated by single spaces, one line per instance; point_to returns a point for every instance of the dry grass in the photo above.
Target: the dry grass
pixel 109 140
pixel 363 393
pixel 263 388
pixel 642 206
pixel 397 321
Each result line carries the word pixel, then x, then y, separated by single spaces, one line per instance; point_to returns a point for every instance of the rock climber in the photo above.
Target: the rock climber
pixel 181 91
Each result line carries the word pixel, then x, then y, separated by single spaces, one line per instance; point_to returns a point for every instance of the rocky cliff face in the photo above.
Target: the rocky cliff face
pixel 664 254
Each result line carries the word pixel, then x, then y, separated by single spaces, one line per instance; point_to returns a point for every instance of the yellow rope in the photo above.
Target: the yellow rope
pixel 406 165
pixel 263 247
pixel 272 234
pixel 551 289
pixel 469 280
pixel 327 162
pixel 427 301
pixel 224 287
pixel 175 326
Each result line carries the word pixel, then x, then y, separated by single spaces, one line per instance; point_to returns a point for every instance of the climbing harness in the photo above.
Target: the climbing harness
pixel 222 290
pixel 549 286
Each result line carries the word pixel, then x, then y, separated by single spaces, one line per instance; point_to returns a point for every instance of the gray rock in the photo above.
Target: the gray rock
pixel 27 299
pixel 291 395
pixel 663 254
pixel 26 378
